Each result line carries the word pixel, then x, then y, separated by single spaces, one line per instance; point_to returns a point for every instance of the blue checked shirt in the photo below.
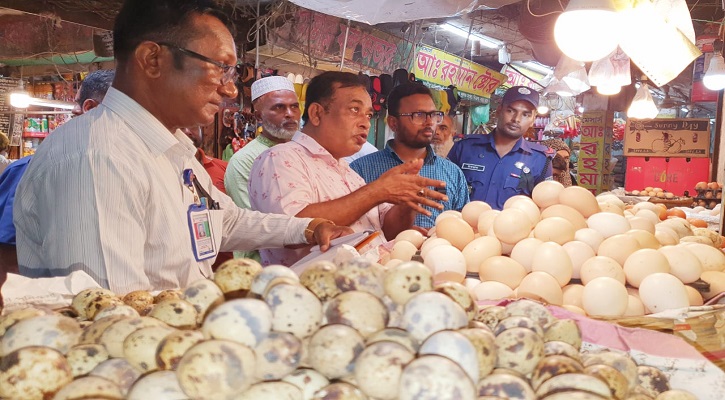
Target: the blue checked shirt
pixel 373 165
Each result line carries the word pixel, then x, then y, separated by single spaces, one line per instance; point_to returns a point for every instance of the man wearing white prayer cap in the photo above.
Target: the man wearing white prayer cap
pixel 277 108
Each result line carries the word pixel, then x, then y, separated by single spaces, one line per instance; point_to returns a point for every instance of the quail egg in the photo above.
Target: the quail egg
pixel 204 295
pixel 435 377
pixel 159 385
pixel 360 310
pixel 430 312
pixel 84 357
pixel 174 345
pixel 234 277
pixel 295 310
pixel 89 387
pixel 55 331
pixel 379 367
pixel 278 354
pixel 48 367
pixel 334 348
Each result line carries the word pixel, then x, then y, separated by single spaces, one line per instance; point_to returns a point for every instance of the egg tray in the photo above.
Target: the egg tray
pixel 671 203
pixel 707 206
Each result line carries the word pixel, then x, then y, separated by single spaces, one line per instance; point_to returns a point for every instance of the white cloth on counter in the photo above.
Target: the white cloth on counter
pixel 105 194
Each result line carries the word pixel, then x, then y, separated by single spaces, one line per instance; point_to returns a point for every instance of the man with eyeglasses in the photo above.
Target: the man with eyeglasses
pixel 502 164
pixel 307 176
pixel 118 192
pixel 413 118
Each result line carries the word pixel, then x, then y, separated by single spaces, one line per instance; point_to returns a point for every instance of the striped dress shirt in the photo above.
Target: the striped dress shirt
pixel 105 194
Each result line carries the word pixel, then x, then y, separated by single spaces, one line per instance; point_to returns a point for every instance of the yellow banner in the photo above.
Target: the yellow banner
pixel 441 68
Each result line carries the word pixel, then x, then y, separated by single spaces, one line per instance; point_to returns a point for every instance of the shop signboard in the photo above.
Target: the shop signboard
pixel 438 67
pixel 523 78
pixel 595 151
pixel 686 138
pixel 675 175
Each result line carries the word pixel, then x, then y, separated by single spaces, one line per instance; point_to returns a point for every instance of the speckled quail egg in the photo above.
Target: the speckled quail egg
pixel 139 348
pixel 11 318
pixel 505 386
pixel 564 330
pixel 262 279
pixel 80 301
pixel 277 390
pixel 676 394
pixel 551 366
pixel 361 274
pixel 174 345
pixel 215 369
pixel 204 294
pixel 519 349
pixel 157 385
pixel 518 321
pixel 491 315
pixel 561 348
pixel 395 312
pixel 617 383
pixel 653 380
pixel 435 377
pixel 333 350
pixel 378 369
pixel 620 362
pixel 397 335
pixel 295 310
pixel 406 280
pixel 278 354
pixel 140 300
pixel 92 333
pixel 117 309
pixel 574 381
pixel 319 278
pixel 177 313
pixel 430 312
pixel 308 380
pixel 119 371
pixel 305 357
pixel 48 369
pixel 89 387
pixel 485 344
pixel 246 321
pixel 578 395
pixel 84 357
pixel 339 391
pixel 234 277
pixel 454 346
pixel 113 336
pixel 55 331
pixel 168 294
pixel 96 304
pixel 360 310
pixel 462 296
pixel 532 309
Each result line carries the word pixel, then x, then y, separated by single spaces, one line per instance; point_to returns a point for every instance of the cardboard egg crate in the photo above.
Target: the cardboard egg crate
pixel 707 198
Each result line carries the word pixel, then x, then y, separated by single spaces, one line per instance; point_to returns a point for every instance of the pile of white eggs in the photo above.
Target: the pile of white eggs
pixel 564 246
pixel 353 331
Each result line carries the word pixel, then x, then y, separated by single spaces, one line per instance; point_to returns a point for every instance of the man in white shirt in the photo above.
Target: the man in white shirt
pixel 277 108
pixel 113 192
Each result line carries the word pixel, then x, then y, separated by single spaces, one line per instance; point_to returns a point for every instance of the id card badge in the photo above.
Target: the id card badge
pixel 201 232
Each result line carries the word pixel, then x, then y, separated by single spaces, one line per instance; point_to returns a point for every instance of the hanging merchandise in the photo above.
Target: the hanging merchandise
pixel 480 114
pixel 573 74
pixel 611 73
pixel 643 106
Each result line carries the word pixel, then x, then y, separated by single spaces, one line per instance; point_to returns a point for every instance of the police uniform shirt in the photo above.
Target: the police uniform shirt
pixel 495 179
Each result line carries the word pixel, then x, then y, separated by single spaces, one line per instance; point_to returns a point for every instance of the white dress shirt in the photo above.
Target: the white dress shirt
pixel 105 194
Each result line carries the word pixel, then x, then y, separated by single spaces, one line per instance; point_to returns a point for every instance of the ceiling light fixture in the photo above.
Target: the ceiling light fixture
pixel 489 42
pixel 608 90
pixel 586 31
pixel 714 78
pixel 643 106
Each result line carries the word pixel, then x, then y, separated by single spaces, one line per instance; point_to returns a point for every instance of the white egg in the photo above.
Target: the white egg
pixel 635 308
pixel 491 290
pixel 566 212
pixel 683 263
pixel 502 269
pixel 447 263
pixel 711 259
pixel 455 230
pixel 526 205
pixel 608 224
pixel 523 252
pixel 403 250
pixel 512 225
pixel 472 211
pixel 589 236
pixel 605 297
pixel 600 266
pixel 411 235
pixel 572 294
pixel 642 223
pixel 554 229
pixel 546 193
pixel 479 250
pixel 661 291
pixel 448 214
pixel 430 244
pixel 694 296
pixel 485 220
pixel 610 208
pixel 643 263
pixel 618 247
pixel 645 239
pixel 542 287
pixel 551 258
pixel 580 199
pixel 716 279
pixel 579 252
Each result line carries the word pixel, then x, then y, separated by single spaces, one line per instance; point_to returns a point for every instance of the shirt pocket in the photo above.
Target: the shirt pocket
pixel 511 184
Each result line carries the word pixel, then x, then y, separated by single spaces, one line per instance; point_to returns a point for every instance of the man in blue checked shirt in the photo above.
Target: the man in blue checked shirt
pixel 413 117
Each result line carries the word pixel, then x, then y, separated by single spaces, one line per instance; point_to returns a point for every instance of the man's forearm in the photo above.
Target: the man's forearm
pixel 344 210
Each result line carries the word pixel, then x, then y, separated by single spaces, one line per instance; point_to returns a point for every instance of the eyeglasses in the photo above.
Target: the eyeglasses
pixel 229 72
pixel 419 117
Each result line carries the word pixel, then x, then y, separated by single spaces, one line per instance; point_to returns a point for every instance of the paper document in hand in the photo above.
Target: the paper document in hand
pixel 342 248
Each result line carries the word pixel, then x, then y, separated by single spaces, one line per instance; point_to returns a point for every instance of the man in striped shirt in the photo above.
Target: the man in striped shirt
pixel 413 118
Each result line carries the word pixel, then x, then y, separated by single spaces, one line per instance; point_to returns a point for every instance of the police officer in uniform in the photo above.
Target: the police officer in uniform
pixel 502 164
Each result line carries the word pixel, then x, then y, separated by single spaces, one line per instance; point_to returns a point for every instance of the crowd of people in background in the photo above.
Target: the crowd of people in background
pixel 125 192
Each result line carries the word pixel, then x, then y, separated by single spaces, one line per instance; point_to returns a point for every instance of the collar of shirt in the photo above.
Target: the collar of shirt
pixel 430 154
pixel 149 129
pixel 314 148
pixel 521 144
pixel 267 142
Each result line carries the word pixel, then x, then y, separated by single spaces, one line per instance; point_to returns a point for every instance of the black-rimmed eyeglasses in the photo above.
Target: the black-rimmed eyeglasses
pixel 419 117
pixel 229 72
